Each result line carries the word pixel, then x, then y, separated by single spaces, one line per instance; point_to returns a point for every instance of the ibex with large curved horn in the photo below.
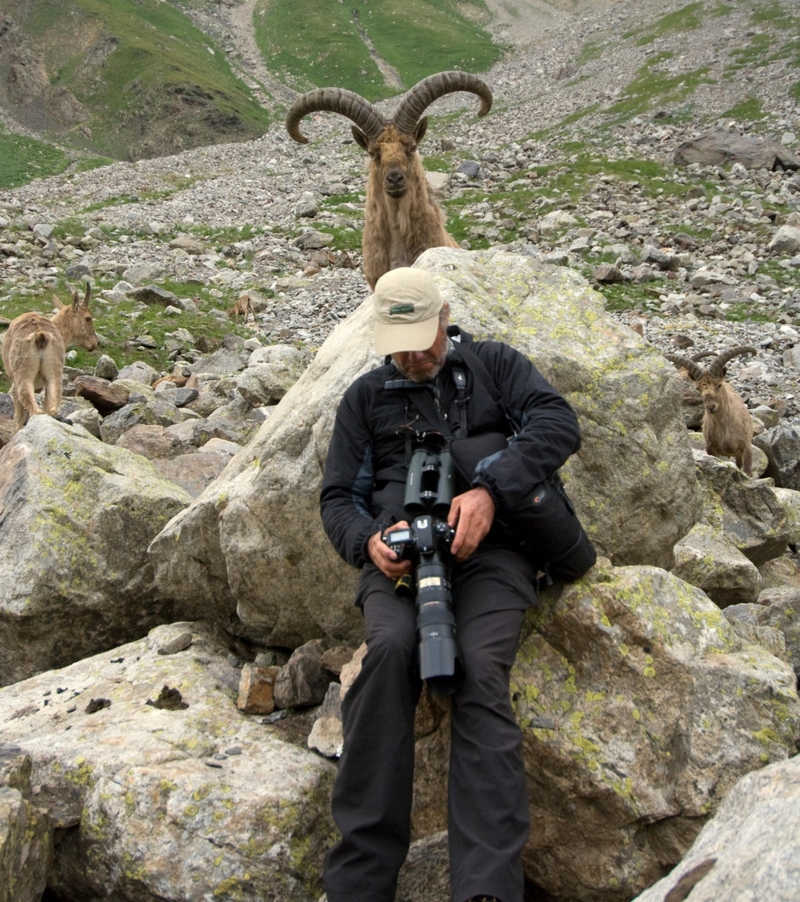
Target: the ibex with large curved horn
pixel 727 427
pixel 401 217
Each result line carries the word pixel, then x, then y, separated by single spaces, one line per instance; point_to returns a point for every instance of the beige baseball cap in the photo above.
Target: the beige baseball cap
pixel 407 306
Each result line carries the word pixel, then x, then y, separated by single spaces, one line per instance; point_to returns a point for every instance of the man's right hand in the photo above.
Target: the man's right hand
pixel 384 558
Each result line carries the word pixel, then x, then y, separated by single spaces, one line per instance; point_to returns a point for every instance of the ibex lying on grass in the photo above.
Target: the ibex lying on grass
pixel 34 350
pixel 401 217
pixel 727 427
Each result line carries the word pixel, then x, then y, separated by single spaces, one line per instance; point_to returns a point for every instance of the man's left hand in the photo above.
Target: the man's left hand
pixel 471 515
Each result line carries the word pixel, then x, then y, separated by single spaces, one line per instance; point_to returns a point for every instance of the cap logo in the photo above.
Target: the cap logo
pixel 401 308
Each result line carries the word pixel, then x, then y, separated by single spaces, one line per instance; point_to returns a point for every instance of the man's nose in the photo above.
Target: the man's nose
pixel 416 356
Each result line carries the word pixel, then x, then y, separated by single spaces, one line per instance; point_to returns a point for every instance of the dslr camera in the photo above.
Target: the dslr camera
pixel 430 487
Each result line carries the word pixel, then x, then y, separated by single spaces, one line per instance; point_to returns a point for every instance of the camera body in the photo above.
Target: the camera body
pixel 426 543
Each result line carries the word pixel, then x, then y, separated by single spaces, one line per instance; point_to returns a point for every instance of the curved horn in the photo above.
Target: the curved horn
pixel 422 95
pixel 335 100
pixel 694 370
pixel 717 367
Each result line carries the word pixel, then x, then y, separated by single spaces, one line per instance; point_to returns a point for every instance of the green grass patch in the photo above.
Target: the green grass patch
pixel 754 54
pixel 749 109
pixel 685 19
pixel 120 322
pixel 320 43
pixel 590 51
pixel 624 296
pixel 747 313
pixel 652 86
pixel 24 159
pixel 771 13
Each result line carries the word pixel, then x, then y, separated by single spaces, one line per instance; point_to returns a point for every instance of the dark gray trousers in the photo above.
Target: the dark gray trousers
pixel 488 821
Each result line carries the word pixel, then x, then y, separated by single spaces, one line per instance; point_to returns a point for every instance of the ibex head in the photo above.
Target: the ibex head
pixel 75 321
pixel 391 144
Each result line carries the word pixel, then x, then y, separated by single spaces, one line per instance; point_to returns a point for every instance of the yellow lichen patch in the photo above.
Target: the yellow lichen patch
pixel 231 886
pixel 767 735
pixel 623 788
pixel 81 775
pixel 191 810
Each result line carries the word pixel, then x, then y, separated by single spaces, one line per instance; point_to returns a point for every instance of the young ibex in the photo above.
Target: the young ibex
pixel 34 350
pixel 242 307
pixel 401 217
pixel 727 427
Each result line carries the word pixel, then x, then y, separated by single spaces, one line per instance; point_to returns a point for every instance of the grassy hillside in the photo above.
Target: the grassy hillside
pixel 320 42
pixel 133 80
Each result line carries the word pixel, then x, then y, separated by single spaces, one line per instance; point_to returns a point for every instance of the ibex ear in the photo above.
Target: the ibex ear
pixel 361 138
pixel 58 303
pixel 422 127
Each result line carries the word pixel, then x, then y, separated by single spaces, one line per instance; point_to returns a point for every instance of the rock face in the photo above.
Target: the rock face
pixel 724 147
pixel 26 837
pixel 254 539
pixel 77 518
pixel 159 787
pixel 641 707
pixel 751 849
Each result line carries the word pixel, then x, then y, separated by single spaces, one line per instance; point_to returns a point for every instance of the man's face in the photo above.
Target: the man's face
pixel 424 366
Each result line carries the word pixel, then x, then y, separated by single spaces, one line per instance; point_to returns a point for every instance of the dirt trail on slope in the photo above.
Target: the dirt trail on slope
pixel 240 21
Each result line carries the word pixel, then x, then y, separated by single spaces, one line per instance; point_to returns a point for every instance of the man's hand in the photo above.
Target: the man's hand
pixel 471 515
pixel 384 558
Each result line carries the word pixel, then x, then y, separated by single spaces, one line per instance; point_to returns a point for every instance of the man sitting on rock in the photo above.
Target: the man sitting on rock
pixel 380 422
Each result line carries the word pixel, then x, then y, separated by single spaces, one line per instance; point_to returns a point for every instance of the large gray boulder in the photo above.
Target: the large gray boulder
pixel 641 708
pixel 252 541
pixel 749 850
pixel 751 514
pixel 723 146
pixel 159 787
pixel 77 517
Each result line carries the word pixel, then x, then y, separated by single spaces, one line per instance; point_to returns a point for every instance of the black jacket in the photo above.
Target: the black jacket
pixel 363 487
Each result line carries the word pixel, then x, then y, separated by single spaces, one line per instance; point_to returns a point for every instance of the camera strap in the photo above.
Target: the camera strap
pixel 422 398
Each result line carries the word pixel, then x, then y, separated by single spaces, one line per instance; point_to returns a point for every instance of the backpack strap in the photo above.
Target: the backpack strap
pixel 478 369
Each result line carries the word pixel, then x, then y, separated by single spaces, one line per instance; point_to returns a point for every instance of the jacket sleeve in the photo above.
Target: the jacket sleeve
pixel 346 495
pixel 548 431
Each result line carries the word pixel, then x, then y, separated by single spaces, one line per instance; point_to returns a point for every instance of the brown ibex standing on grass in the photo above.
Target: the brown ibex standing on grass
pixel 401 217
pixel 242 307
pixel 34 352
pixel 727 427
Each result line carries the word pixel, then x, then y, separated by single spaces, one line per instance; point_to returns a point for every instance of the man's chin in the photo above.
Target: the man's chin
pixel 419 374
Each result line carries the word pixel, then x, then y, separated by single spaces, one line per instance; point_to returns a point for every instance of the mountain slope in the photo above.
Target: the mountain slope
pixel 131 80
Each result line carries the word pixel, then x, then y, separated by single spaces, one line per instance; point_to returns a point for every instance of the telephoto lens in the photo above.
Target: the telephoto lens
pixel 429 492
